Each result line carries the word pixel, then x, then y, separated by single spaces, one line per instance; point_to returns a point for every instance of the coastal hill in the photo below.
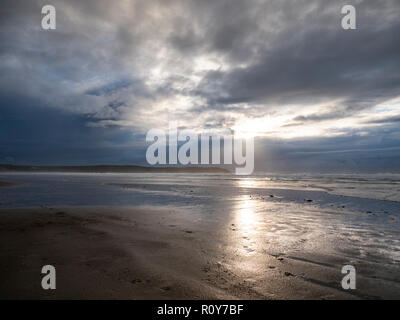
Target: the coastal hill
pixel 110 169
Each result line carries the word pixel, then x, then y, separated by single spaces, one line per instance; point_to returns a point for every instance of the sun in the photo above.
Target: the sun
pixel 251 128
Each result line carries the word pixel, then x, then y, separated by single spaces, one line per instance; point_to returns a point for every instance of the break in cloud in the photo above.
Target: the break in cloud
pixel 317 97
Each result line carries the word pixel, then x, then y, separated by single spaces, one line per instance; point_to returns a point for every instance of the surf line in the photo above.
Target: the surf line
pixel 168 310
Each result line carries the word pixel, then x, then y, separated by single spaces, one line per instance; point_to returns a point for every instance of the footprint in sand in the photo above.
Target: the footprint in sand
pixel 248 249
pixel 134 281
pixel 166 288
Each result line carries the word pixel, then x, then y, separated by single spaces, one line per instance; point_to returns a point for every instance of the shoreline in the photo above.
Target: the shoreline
pixel 5 184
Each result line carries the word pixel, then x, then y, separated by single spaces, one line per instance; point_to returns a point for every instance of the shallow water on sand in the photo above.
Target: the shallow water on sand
pixel 309 197
pixel 106 188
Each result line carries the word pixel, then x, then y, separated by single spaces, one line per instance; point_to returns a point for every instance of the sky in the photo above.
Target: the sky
pixel 316 97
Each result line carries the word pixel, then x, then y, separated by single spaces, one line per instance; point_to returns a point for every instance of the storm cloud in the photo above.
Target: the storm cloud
pixel 284 71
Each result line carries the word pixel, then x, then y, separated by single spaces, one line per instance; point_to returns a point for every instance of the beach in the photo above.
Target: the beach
pixel 207 242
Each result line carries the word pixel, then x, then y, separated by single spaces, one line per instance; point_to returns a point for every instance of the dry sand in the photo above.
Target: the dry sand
pixel 147 253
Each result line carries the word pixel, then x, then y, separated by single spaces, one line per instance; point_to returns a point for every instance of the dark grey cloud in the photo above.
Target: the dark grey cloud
pixel 354 152
pixel 386 120
pixel 114 69
pixel 314 59
pixel 41 135
pixel 334 114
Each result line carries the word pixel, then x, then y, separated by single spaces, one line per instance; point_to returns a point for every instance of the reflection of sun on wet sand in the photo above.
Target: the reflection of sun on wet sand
pixel 257 250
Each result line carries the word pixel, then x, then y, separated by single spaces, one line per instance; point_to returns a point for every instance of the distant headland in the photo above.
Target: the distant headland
pixel 111 169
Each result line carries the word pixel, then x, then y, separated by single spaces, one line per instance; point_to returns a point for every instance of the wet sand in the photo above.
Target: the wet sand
pixel 150 253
